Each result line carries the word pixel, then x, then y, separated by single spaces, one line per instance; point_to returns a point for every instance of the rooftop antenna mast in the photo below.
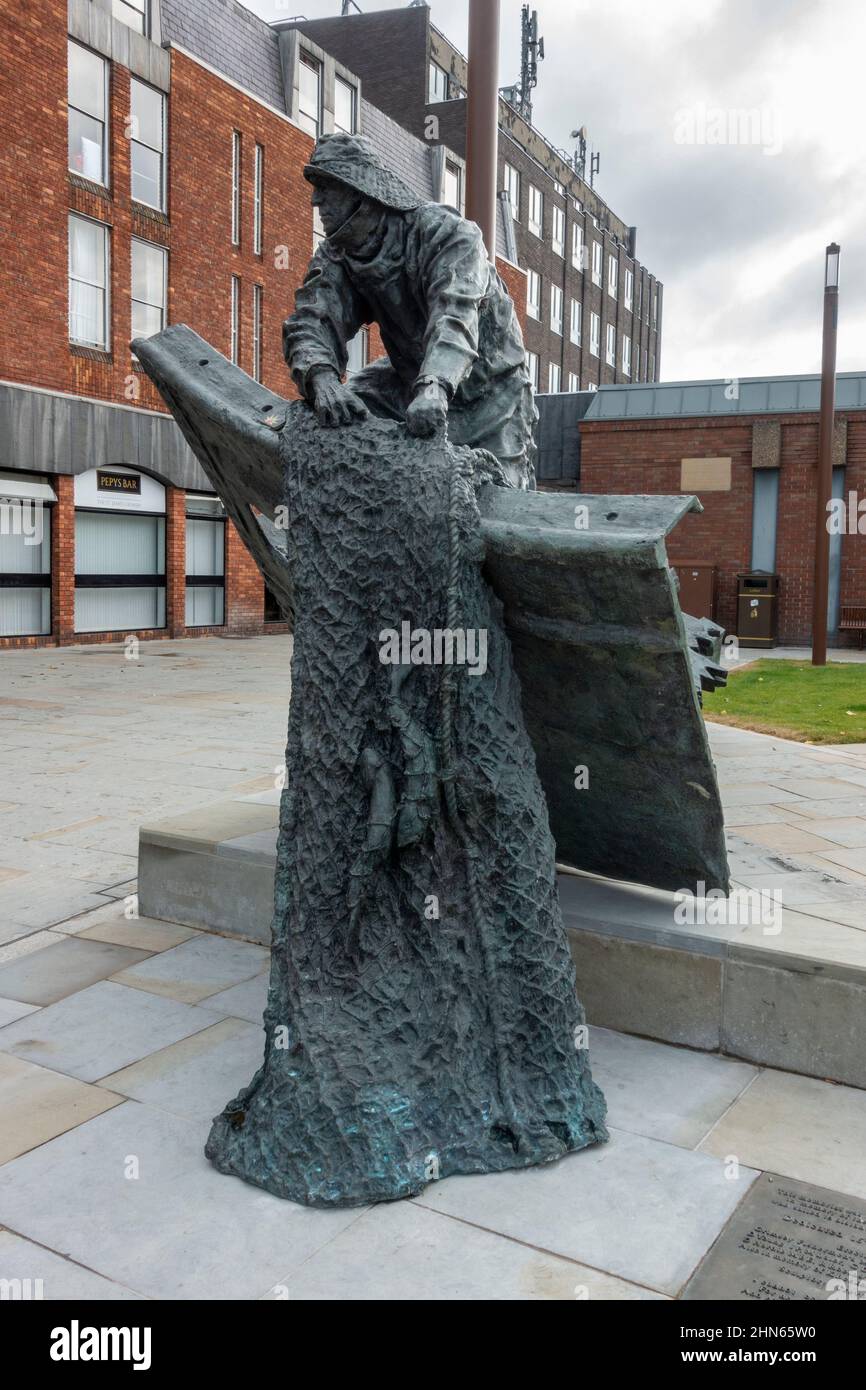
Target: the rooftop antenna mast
pixel 348 6
pixel 531 53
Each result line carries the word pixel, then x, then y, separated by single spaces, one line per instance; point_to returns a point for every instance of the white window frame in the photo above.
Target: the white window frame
pixel 554 378
pixel 140 241
pixel 533 366
pixel 556 310
pixel 234 321
pixel 119 9
pixel 536 211
pixel 308 60
pixel 558 231
pixel 576 323
pixel 628 289
pixel 136 140
pixel 436 71
pixel 533 303
pixel 597 262
pixel 612 276
pixel 103 182
pixel 626 355
pixel 236 188
pixel 257 332
pixel 577 246
pixel 450 166
pixel 573 382
pixel 610 344
pixel 105 345
pixel 652 367
pixel 258 198
pixel 594 333
pixel 353 98
pixel 655 307
pixel 511 180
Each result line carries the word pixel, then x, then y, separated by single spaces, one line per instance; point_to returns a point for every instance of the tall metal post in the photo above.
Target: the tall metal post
pixel 825 456
pixel 482 118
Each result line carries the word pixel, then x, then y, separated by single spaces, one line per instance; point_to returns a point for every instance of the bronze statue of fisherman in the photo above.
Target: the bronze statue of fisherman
pixel 420 271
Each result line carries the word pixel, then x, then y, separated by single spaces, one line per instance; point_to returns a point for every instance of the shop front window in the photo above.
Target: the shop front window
pixel 205 561
pixel 25 556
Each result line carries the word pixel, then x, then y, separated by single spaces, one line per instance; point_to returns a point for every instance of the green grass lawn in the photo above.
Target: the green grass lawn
pixel 793 699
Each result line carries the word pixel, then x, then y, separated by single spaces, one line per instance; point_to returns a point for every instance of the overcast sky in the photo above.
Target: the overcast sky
pixel 731 133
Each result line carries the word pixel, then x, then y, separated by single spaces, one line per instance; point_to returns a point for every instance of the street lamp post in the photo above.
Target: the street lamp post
pixel 825 457
pixel 482 118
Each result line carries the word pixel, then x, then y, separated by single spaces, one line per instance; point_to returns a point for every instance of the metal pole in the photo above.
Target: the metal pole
pixel 825 457
pixel 482 118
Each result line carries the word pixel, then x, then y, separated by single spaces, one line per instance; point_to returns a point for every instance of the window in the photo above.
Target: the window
pixel 558 188
pixel 257 332
pixel 318 229
pixel 652 367
pixel 88 104
pixel 533 366
pixel 258 188
pixel 629 289
pixel 612 276
pixel 358 351
pixel 594 334
pixel 626 355
pixel 149 278
pixel 573 381
pixel 236 188
pixel 234 336
pixel 576 322
pixel 592 386
pixel 645 365
pixel 25 555
pixel 451 185
pixel 577 246
pixel 135 13
pixel 655 307
pixel 559 231
pixel 119 557
pixel 512 188
pixel 639 304
pixel 438 83
pixel 610 345
pixel 533 294
pixel 536 210
pixel 88 282
pixel 556 309
pixel 554 377
pixel 309 94
pixel 345 106
pixel 596 262
pixel 147 144
pixel 205 560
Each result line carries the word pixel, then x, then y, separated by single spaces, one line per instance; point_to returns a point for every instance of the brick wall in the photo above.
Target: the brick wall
pixel 645 457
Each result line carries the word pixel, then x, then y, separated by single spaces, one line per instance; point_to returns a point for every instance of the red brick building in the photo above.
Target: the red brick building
pixel 749 451
pixel 151 164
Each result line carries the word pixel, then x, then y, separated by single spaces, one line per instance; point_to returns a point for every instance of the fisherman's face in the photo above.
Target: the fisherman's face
pixel 336 203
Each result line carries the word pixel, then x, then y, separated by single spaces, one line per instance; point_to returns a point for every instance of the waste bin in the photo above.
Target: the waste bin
pixel 757 608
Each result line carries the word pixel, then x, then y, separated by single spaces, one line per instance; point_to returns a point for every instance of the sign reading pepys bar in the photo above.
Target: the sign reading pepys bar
pixel 107 481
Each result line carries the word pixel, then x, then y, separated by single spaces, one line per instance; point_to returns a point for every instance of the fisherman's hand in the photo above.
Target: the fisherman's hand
pixel 428 410
pixel 334 403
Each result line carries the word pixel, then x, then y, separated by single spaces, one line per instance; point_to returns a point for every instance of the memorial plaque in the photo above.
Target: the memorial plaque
pixel 787 1241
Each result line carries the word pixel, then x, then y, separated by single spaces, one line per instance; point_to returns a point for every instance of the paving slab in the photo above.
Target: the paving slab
pixel 38 1104
pixel 197 968
pixel 101 1029
pixel 797 1126
pixel 12 1009
pixel 245 1001
pixel 151 1213
pixel 668 1093
pixel 42 1274
pixel 401 1252
pixel 196 1077
pixel 145 933
pixel 636 1208
pixel 787 1240
pixel 43 977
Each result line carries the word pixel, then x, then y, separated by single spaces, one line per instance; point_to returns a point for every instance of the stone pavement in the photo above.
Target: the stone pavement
pixel 120 1037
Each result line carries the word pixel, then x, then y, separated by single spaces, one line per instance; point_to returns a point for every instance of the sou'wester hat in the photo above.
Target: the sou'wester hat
pixel 351 160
